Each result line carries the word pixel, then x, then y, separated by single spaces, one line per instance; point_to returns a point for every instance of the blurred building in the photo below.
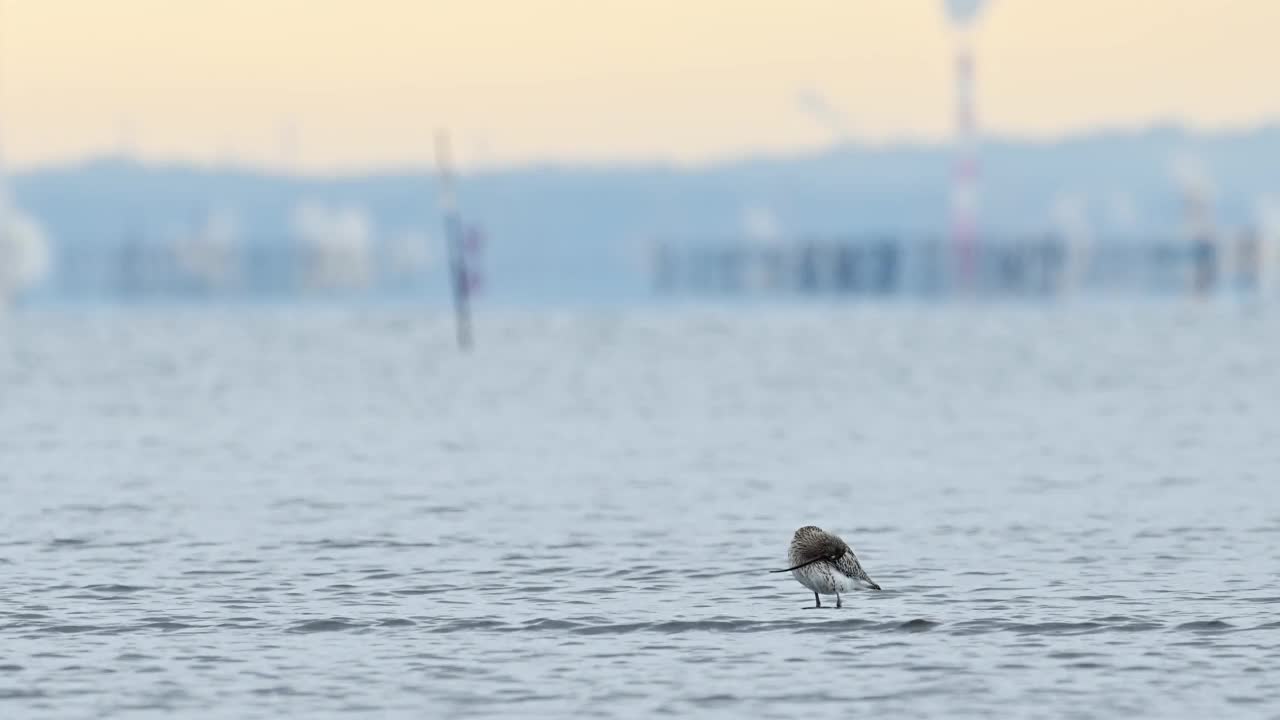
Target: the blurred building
pixel 25 254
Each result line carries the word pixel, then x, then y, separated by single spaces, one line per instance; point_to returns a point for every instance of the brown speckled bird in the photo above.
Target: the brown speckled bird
pixel 825 564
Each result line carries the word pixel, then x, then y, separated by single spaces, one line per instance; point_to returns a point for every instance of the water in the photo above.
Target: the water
pixel 264 514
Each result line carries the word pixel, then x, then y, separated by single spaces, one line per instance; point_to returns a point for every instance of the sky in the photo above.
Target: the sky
pixel 327 86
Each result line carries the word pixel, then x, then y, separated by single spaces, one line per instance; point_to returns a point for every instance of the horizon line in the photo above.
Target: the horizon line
pixel 623 163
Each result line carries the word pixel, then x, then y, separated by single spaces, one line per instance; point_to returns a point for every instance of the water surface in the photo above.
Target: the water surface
pixel 321 513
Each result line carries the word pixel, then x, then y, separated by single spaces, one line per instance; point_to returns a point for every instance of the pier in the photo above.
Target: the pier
pixel 1026 266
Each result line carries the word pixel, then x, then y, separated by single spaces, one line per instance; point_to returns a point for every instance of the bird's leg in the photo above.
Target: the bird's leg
pixel 838 600
pixel 817 601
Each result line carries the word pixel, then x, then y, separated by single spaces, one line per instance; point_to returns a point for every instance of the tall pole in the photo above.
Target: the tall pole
pixel 459 278
pixel 962 15
pixel 964 179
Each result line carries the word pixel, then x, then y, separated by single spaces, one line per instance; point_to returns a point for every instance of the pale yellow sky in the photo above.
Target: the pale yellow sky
pixel 363 83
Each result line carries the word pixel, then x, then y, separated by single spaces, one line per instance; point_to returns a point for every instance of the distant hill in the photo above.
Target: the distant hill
pixel 580 232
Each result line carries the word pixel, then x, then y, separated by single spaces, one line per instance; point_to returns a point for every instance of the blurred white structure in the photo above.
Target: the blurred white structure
pixel 25 256
pixel 1267 213
pixel 963 16
pixel 760 225
pixel 409 253
pixel 1196 190
pixel 211 252
pixel 1215 258
pixel 761 230
pixel 341 244
pixel 816 106
pixel 1071 220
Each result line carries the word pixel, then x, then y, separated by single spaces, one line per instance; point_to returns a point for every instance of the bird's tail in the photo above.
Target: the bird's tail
pixel 858 573
pixel 862 575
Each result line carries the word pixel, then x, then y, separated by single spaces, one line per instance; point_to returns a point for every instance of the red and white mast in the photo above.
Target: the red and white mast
pixel 963 230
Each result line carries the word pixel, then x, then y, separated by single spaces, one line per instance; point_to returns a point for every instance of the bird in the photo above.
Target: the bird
pixel 825 564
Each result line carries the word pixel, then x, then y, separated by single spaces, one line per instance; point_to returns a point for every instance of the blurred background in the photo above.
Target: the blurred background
pixel 624 152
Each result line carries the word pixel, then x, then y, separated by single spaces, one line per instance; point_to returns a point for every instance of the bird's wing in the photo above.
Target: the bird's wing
pixel 850 566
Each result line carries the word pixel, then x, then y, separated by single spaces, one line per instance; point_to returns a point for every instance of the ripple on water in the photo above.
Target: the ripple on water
pixel 599 626
pixel 325 625
pixel 115 589
pixel 1206 626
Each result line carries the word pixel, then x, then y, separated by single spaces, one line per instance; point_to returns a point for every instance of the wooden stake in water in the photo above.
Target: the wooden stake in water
pixel 459 276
